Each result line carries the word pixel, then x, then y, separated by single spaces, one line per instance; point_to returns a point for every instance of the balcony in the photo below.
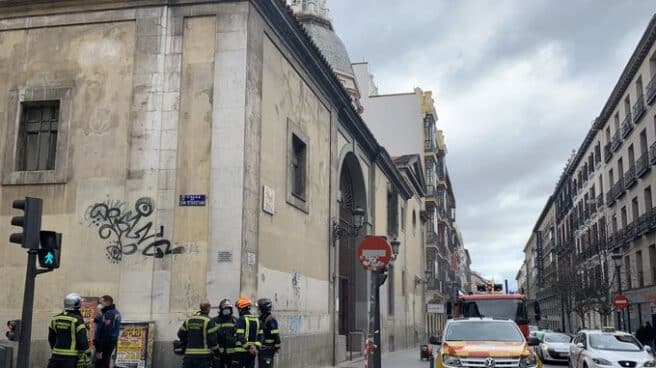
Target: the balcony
pixel 627 125
pixel 630 178
pixel 643 224
pixel 652 220
pixel 652 153
pixel 618 189
pixel 431 236
pixel 642 164
pixel 429 145
pixel 616 141
pixel 610 197
pixel 651 89
pixel 638 109
pixel 608 154
pixel 430 190
pixel 630 232
pixel 433 284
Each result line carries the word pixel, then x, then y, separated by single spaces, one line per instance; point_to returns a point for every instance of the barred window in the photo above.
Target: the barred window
pixel 37 136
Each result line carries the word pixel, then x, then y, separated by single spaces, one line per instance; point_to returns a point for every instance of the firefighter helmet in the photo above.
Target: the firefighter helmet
pixel 72 301
pixel 243 303
pixel 264 305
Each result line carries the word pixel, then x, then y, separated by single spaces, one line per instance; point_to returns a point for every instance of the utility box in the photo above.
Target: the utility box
pixel 6 356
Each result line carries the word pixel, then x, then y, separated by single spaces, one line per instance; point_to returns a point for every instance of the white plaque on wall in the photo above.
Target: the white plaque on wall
pixel 268 200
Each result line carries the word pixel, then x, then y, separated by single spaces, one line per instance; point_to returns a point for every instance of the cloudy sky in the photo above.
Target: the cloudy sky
pixel 516 83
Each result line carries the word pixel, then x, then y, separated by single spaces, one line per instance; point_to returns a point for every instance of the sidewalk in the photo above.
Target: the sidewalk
pixel 403 358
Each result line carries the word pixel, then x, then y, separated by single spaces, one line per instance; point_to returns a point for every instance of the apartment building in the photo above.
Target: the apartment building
pixel 604 208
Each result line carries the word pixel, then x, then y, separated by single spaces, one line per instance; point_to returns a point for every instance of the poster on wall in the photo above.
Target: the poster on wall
pixel 89 312
pixel 132 347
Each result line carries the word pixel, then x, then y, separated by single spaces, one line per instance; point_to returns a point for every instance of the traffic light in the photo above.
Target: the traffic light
pixel 50 251
pixel 13 330
pixel 30 222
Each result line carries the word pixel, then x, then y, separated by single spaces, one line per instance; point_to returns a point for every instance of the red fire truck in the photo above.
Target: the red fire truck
pixel 491 301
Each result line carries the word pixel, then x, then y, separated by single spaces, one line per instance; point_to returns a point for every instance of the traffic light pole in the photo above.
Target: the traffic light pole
pixel 28 306
pixel 23 359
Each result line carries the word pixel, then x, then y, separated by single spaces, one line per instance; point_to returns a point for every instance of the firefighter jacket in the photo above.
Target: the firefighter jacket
pixel 67 334
pixel 199 334
pixel 226 333
pixel 248 332
pixel 270 333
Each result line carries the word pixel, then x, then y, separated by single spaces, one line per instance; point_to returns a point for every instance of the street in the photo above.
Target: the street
pixel 410 359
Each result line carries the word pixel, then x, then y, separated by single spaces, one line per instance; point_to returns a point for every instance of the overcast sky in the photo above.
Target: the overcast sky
pixel 516 84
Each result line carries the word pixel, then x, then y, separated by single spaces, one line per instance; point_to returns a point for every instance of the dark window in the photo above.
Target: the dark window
pixel 627 272
pixel 631 156
pixel 299 167
pixel 635 210
pixel 624 218
pixel 402 218
pixel 392 214
pixel 648 200
pixel 37 136
pixel 403 282
pixel 652 262
pixel 641 274
pixel 390 290
pixel 643 141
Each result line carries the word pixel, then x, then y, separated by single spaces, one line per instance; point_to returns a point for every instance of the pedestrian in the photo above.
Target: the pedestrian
pixel 641 334
pixel 650 334
pixel 271 343
pixel 248 336
pixel 108 327
pixel 226 322
pixel 199 334
pixel 67 334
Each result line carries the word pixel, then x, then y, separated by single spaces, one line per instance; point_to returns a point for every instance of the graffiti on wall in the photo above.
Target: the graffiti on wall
pixel 127 230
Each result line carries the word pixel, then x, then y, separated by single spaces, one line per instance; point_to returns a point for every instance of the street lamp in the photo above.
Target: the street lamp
pixel 342 231
pixel 617 261
pixel 396 245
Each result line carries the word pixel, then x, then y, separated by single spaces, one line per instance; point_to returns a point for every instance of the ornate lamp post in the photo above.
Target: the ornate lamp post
pixel 341 231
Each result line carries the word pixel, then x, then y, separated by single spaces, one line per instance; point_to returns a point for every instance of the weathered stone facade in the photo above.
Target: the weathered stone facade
pixel 160 100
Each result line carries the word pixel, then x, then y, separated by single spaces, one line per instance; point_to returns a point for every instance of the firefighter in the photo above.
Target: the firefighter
pixel 226 322
pixel 271 335
pixel 248 336
pixel 67 334
pixel 199 334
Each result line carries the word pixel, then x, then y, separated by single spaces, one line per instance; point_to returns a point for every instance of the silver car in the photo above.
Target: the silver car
pixel 554 347
pixel 608 348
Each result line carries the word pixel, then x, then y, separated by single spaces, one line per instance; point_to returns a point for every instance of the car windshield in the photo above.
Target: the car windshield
pixel 614 342
pixel 484 331
pixel 556 337
pixel 514 309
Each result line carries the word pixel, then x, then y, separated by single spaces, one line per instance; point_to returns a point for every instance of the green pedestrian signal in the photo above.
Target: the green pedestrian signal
pixel 50 251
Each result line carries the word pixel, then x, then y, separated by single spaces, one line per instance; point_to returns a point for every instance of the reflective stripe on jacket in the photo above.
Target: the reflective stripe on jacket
pixel 248 333
pixel 67 334
pixel 199 333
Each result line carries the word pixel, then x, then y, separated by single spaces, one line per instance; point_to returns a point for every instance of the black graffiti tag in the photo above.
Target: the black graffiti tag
pixel 126 230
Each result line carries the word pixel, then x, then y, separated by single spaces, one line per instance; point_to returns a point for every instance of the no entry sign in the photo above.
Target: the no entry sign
pixel 620 301
pixel 374 253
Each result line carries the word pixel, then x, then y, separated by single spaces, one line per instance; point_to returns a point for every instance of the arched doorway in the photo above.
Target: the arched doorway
pixel 352 278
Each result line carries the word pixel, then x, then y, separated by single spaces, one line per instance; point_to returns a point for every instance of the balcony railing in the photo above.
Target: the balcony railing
pixel 430 190
pixel 630 178
pixel 431 236
pixel 652 153
pixel 651 89
pixel 643 224
pixel 627 125
pixel 619 189
pixel 608 154
pixel 429 145
pixel 616 141
pixel 638 109
pixel 610 196
pixel 642 164
pixel 630 232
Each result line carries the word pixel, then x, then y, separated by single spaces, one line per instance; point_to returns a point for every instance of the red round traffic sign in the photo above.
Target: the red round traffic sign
pixel 374 253
pixel 620 301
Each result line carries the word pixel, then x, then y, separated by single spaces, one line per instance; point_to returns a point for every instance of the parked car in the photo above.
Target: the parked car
pixel 554 347
pixel 608 348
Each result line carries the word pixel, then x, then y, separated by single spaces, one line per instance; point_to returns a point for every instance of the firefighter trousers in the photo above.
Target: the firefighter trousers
pixel 197 362
pixel 243 360
pixel 58 361
pixel 265 361
pixel 224 361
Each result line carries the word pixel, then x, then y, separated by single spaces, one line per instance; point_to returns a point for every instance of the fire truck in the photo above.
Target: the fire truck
pixel 490 300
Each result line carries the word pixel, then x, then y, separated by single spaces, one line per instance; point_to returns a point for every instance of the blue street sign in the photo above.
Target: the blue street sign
pixel 192 200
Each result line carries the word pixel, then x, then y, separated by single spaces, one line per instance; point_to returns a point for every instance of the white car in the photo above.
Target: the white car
pixel 608 348
pixel 554 347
